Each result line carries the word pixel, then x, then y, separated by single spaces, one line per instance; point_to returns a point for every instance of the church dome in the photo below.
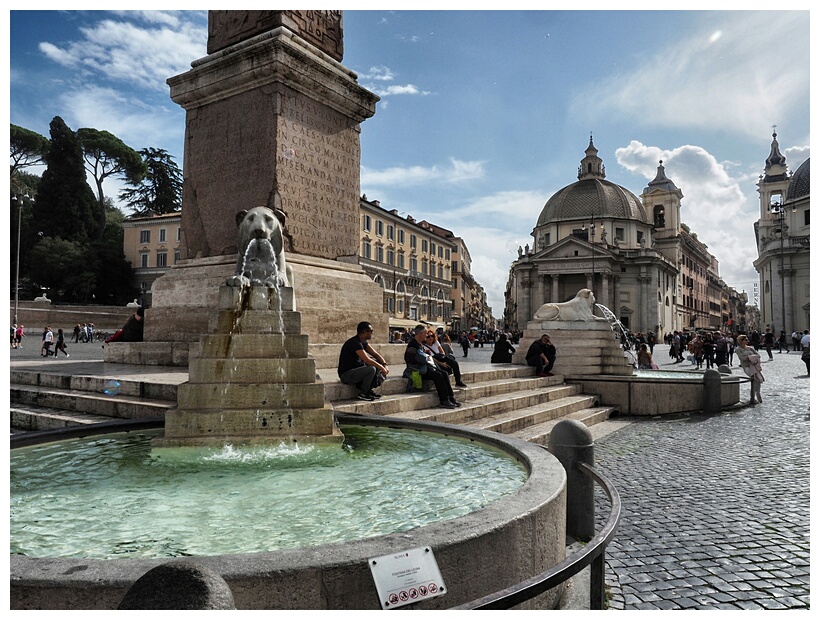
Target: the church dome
pixel 592 196
pixel 596 198
pixel 799 185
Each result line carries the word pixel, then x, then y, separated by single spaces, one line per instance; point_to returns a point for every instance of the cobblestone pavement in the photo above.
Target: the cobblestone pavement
pixel 715 508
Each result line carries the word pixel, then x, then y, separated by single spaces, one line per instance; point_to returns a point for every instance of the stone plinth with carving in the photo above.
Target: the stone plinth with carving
pixel 252 380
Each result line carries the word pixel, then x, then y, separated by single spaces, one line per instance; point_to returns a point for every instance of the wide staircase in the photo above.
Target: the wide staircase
pixel 504 398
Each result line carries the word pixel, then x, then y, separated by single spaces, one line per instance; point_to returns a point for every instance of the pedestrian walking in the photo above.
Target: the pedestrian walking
pixel 464 341
pixel 60 345
pixel 750 363
pixel 48 340
pixel 805 346
pixel 768 342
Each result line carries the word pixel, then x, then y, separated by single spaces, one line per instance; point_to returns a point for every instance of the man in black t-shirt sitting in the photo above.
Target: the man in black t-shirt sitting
pixel 361 365
pixel 541 354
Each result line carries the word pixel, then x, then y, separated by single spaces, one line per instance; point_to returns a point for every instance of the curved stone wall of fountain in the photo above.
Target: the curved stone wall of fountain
pixel 480 553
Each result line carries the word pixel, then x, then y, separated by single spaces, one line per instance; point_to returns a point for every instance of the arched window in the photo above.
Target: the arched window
pixel 378 280
pixel 440 295
pixel 660 218
pixel 424 291
pixel 400 287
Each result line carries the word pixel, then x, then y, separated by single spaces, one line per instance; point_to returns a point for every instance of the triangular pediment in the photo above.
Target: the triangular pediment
pixel 566 248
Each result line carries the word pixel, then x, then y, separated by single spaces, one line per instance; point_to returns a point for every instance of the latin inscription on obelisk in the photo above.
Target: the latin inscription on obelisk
pixel 318 176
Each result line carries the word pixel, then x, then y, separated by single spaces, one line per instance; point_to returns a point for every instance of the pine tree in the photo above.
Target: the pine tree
pixel 65 206
pixel 160 190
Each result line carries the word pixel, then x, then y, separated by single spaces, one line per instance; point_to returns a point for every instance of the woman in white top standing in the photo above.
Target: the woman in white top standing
pixel 750 363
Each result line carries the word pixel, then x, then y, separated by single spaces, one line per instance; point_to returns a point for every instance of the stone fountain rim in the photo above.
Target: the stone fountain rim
pixel 545 483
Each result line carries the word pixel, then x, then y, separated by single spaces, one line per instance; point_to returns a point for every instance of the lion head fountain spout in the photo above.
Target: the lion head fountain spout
pixel 261 260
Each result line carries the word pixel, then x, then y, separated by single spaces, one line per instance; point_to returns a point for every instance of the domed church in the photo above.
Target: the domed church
pixel 640 261
pixel 783 235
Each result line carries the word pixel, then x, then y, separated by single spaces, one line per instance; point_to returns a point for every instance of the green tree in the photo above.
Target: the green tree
pixel 105 156
pixel 65 205
pixel 160 190
pixel 61 267
pixel 27 148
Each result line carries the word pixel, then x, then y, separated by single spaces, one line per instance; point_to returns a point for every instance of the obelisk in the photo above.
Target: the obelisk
pixel 272 118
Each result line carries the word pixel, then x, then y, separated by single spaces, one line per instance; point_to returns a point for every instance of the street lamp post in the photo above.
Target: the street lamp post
pixel 19 199
pixel 777 209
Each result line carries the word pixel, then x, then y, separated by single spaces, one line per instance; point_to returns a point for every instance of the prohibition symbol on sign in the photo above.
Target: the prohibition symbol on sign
pixel 423 590
pixel 433 588
pixel 403 595
pixel 394 599
pixel 414 593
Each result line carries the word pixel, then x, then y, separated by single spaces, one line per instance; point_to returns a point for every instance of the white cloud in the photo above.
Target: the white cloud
pixel 396 89
pixel 131 118
pixel 755 71
pixel 385 74
pixel 714 204
pixel 456 172
pixel 380 73
pixel 125 51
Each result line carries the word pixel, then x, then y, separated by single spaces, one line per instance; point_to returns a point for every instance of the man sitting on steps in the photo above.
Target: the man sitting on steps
pixel 541 354
pixel 361 365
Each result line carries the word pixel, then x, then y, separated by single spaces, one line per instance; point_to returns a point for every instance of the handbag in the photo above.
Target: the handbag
pixel 805 356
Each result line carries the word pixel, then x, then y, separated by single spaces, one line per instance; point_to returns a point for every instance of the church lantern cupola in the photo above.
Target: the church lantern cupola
pixel 592 166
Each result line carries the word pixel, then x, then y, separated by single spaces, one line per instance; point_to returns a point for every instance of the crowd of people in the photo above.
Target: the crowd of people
pixel 132 331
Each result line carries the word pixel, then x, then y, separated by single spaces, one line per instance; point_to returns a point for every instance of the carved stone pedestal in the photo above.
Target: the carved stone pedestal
pixel 252 380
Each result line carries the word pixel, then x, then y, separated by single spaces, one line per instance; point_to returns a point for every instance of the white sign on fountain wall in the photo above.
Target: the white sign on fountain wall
pixel 406 577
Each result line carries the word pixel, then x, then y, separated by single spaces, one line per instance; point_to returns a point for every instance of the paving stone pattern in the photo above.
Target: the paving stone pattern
pixel 715 508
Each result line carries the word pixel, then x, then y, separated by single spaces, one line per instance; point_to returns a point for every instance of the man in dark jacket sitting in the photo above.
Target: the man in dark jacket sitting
pixel 541 354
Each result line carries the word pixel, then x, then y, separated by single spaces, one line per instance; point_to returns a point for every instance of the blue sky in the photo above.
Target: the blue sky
pixel 484 114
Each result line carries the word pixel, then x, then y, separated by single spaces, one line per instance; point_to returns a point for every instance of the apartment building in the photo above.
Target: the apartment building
pixel 151 245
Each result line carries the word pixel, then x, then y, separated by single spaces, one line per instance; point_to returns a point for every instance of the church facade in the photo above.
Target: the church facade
pixel 634 253
pixel 783 234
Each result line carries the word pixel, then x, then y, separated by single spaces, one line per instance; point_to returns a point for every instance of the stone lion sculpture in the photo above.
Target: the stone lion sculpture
pixel 578 308
pixel 261 260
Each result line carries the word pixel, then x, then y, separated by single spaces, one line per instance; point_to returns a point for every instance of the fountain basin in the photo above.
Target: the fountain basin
pixel 656 392
pixel 496 546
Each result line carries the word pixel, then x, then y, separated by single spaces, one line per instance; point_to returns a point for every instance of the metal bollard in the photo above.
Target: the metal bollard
pixel 571 443
pixel 712 396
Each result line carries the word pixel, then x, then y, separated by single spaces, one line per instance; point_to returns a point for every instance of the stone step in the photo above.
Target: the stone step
pixel 475 415
pixel 486 393
pixel 97 385
pixel 239 346
pixel 225 371
pixel 36 418
pixel 336 391
pixel 113 406
pixel 509 422
pixel 482 408
pixel 540 433
pixel 212 396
